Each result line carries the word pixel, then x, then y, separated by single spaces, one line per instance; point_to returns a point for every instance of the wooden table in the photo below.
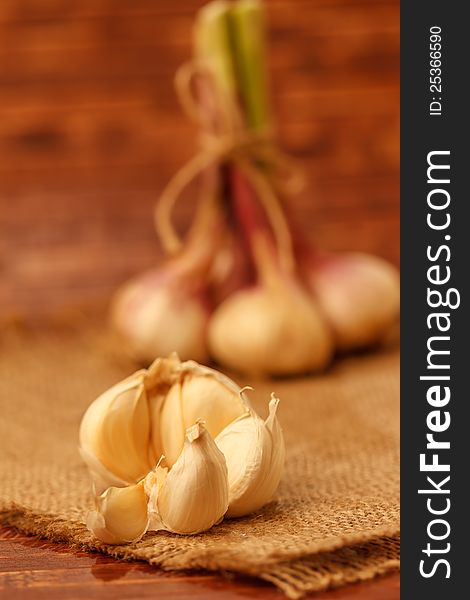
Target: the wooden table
pixel 33 568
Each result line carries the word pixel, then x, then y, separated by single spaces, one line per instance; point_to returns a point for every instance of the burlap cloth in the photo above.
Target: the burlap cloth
pixel 335 518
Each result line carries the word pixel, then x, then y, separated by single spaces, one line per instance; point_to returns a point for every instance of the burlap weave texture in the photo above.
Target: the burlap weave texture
pixel 335 518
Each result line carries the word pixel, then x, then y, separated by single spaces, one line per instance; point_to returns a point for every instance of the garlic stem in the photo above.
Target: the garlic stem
pixel 247 30
pixel 269 221
pixel 213 50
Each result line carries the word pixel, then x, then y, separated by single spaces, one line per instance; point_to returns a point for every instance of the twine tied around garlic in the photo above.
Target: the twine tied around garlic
pixel 255 153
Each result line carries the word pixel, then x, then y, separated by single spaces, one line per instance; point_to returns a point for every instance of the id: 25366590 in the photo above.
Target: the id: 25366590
pixel 435 70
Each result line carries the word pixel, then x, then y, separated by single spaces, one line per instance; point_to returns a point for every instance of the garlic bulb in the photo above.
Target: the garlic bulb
pixel 157 314
pixel 359 295
pixel 270 329
pixel 191 435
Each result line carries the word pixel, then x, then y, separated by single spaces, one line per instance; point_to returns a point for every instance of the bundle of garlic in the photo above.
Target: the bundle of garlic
pixel 246 290
pixel 177 447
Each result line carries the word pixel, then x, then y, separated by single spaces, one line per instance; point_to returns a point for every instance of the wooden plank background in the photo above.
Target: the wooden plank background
pixel 90 131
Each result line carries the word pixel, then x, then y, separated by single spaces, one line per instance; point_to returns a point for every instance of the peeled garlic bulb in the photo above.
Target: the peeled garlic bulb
pixel 359 295
pixel 193 495
pixel 157 316
pixel 121 515
pixel 191 434
pixel 274 330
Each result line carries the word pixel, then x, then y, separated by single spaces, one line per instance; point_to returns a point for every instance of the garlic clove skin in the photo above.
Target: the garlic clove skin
pixel 157 316
pixel 359 295
pixel 153 484
pixel 121 515
pixel 272 475
pixel 114 433
pixel 193 495
pixel 268 330
pixel 255 453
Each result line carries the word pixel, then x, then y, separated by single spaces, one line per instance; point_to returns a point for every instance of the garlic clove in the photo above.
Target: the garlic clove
pixel 121 515
pixel 155 447
pixel 254 452
pixel 193 495
pixel 207 398
pixel 265 330
pixel 172 429
pixel 359 295
pixel 272 475
pixel 115 431
pixel 157 316
pixel 160 377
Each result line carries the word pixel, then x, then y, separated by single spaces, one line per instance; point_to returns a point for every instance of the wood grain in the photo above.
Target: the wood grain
pixel 90 132
pixel 31 568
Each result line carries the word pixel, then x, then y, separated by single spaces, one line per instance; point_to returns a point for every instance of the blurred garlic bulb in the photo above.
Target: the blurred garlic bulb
pixel 272 328
pixel 359 295
pixel 275 330
pixel 158 313
pixel 159 426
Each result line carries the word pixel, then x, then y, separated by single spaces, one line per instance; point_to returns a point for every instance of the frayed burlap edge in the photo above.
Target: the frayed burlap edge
pixel 349 564
pixel 335 562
